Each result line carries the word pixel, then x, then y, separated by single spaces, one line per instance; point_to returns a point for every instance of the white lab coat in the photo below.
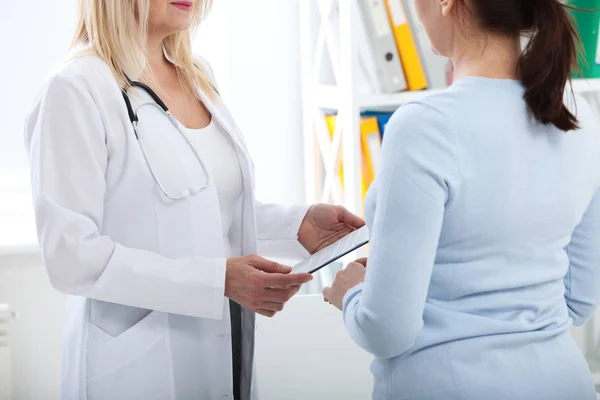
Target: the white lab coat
pixel 147 317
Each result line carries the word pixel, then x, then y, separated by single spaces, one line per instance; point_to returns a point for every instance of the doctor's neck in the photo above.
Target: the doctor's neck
pixel 155 54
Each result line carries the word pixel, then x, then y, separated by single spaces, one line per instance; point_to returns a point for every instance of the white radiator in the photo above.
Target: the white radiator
pixel 6 315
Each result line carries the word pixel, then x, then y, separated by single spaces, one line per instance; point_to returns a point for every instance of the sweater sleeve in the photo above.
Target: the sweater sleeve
pixel 582 282
pixel 417 180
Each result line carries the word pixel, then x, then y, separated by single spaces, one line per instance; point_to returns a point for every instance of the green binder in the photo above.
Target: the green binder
pixel 589 27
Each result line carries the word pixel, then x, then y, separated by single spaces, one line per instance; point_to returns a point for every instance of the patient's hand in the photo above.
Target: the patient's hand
pixel 362 261
pixel 345 280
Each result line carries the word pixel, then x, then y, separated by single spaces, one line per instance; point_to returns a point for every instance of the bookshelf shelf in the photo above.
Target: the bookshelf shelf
pixel 327 96
pixel 583 86
pixel 392 101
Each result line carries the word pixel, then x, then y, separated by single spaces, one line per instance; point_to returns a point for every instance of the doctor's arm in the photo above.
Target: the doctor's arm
pixel 582 282
pixel 68 156
pixel 384 314
pixel 277 229
pixel 299 231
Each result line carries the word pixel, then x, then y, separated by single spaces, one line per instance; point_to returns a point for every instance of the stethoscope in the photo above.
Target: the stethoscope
pixel 162 108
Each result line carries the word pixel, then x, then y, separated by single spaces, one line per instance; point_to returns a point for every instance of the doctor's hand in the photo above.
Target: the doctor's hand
pixel 345 280
pixel 325 224
pixel 261 285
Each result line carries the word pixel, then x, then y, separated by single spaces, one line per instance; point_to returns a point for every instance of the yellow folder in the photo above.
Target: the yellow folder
pixel 370 149
pixel 370 138
pixel 330 119
pixel 409 55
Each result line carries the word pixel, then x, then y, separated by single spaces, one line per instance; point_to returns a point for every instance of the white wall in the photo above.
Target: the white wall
pixel 36 34
pixel 259 67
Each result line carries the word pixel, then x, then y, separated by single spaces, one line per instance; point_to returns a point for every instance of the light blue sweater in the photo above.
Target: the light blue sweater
pixel 485 249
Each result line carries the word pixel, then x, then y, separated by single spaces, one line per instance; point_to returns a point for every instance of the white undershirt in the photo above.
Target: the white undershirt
pixel 215 148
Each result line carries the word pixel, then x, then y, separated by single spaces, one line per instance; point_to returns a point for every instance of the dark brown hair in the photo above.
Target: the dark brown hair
pixel 548 60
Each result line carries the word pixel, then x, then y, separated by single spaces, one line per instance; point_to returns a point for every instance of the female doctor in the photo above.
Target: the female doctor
pixel 145 212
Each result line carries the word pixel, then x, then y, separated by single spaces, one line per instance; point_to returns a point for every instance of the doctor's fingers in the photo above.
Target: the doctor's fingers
pixel 351 219
pixel 273 295
pixel 268 306
pixel 269 266
pixel 266 313
pixel 285 281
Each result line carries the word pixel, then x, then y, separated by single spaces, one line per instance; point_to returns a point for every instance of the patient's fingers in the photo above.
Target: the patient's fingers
pixel 362 261
pixel 327 293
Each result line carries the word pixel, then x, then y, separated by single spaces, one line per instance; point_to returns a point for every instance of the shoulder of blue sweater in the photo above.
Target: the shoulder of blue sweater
pixel 443 110
pixel 439 108
pixel 448 101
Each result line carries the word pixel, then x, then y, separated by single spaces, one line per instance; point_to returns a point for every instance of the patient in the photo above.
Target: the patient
pixel 484 219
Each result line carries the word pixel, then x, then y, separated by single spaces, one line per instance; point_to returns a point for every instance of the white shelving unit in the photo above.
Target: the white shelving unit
pixel 315 17
pixel 319 41
pixel 586 86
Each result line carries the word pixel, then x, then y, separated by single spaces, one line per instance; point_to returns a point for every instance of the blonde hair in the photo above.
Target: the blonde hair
pixel 116 31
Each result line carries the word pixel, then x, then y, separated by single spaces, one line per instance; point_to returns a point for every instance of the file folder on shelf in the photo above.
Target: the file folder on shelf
pixel 383 117
pixel 432 63
pixel 406 46
pixel 330 119
pixel 385 51
pixel 371 151
pixel 367 80
pixel 370 80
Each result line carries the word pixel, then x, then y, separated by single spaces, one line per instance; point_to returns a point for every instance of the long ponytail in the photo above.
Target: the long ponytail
pixel 547 62
pixel 548 59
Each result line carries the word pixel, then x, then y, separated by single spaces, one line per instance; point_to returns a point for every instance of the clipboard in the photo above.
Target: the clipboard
pixel 333 252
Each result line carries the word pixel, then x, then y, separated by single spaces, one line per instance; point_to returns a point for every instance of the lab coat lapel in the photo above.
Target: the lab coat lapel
pixel 225 122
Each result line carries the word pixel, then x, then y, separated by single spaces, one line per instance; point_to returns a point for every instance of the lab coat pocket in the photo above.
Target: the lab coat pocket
pixel 132 365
